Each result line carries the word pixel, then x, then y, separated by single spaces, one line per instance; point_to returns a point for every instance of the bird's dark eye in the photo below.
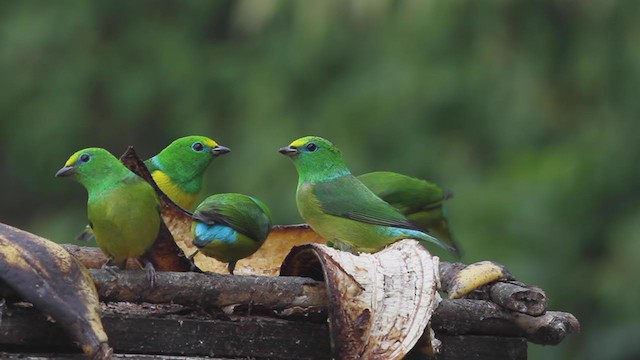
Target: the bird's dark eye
pixel 197 146
pixel 85 157
pixel 312 147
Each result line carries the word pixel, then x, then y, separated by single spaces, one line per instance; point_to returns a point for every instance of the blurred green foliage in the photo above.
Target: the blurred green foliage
pixel 527 110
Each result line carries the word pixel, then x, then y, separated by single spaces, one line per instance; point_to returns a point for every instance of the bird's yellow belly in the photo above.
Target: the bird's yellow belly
pixel 125 230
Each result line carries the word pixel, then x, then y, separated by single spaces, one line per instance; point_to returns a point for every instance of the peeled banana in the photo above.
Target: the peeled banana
pixel 476 275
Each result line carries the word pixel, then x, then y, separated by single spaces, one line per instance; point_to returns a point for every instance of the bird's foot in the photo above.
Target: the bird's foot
pixel 192 262
pixel 231 266
pixel 111 268
pixel 151 273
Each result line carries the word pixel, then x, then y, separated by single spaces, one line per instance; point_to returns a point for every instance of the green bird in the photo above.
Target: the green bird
pixel 419 200
pixel 178 170
pixel 123 209
pixel 230 227
pixel 339 207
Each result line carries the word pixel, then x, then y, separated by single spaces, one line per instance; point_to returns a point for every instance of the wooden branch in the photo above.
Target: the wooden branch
pixel 485 318
pixel 284 294
pixel 210 289
pixel 90 257
pixel 510 295
pixel 518 297
pixel 192 330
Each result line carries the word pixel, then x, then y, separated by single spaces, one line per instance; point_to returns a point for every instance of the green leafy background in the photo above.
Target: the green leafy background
pixel 526 110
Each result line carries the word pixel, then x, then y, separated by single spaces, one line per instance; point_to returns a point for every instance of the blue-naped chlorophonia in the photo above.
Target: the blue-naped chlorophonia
pixel 230 227
pixel 339 207
pixel 123 209
pixel 179 168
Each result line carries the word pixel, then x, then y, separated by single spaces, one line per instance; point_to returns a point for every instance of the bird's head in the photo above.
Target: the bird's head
pixel 92 165
pixel 315 158
pixel 194 152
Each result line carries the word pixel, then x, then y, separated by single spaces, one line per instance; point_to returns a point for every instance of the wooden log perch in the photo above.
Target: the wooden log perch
pixel 184 326
pixel 519 297
pixel 283 296
pixel 90 257
pixel 453 317
pixel 485 318
pixel 208 290
pixel 510 294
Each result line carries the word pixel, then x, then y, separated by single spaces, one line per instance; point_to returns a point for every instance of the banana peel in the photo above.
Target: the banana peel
pixel 379 304
pixel 46 275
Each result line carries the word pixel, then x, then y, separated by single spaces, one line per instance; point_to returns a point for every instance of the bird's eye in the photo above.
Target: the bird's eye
pixel 85 157
pixel 197 146
pixel 312 147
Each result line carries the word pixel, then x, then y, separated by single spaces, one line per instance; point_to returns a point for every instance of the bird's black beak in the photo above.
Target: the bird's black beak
pixel 66 171
pixel 220 150
pixel 289 150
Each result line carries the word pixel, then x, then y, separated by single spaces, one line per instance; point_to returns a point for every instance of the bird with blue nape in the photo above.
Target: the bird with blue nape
pixel 123 209
pixel 230 227
pixel 339 207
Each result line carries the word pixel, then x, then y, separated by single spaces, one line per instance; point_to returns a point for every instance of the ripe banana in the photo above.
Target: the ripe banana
pixel 45 274
pixel 476 275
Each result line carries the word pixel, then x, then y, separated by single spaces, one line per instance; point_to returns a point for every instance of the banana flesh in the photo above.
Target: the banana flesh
pixel 476 275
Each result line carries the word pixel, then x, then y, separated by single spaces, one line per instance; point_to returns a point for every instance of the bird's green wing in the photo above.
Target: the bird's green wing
pixel 347 197
pixel 237 211
pixel 419 200
pixel 405 193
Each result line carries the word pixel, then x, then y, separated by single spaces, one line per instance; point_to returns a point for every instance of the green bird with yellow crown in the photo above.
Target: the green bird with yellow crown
pixel 179 168
pixel 339 207
pixel 123 209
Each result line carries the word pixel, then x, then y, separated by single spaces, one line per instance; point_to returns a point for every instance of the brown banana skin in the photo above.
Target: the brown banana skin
pixel 43 273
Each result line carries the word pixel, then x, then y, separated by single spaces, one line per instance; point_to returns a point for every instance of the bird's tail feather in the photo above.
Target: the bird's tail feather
pixel 428 239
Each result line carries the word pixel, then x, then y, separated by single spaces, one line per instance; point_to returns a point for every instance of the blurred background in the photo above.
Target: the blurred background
pixel 526 110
